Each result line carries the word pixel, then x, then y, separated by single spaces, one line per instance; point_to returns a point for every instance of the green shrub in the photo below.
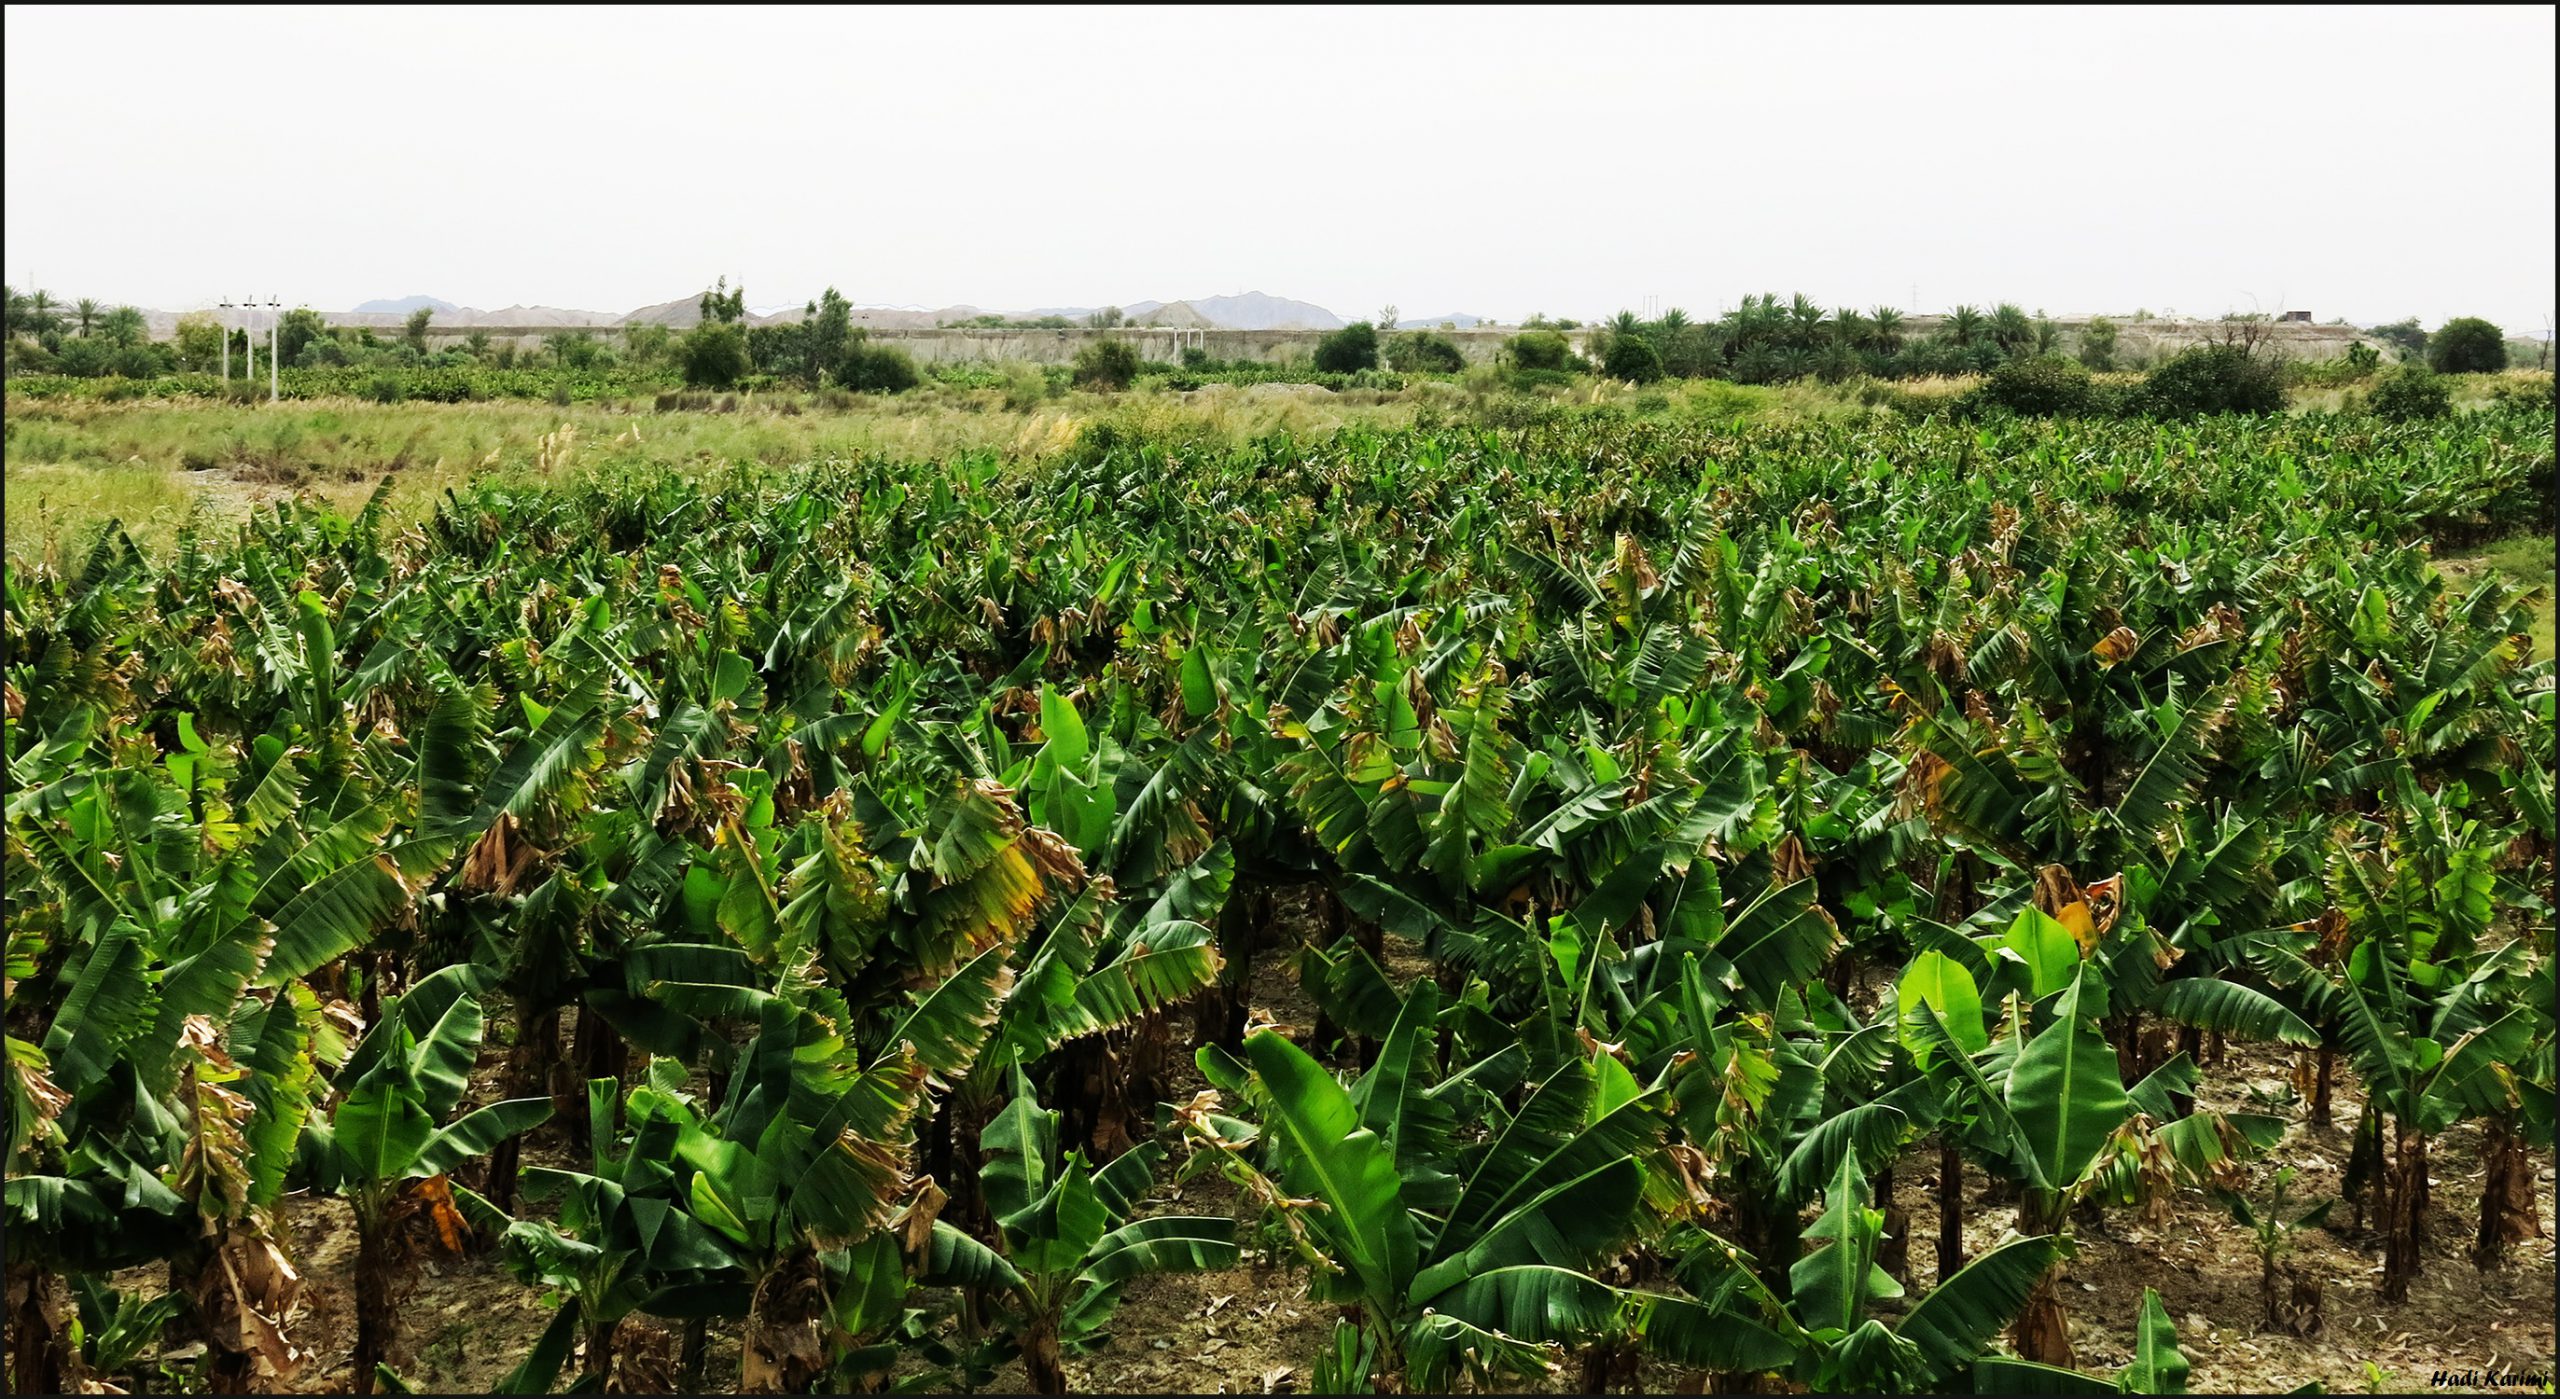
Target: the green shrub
pixel 714 355
pixel 2044 386
pixel 1348 350
pixel 2408 393
pixel 83 357
pixel 867 368
pixel 2206 379
pixel 1633 358
pixel 386 388
pixel 1107 364
pixel 135 362
pixel 2098 344
pixel 1540 349
pixel 1424 353
pixel 2464 345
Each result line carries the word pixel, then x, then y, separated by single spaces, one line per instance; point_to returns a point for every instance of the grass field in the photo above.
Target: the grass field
pixel 2526 559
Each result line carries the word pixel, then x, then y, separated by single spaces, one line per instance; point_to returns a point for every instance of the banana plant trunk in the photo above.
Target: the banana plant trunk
pixel 599 1359
pixel 1042 1361
pixel 784 1350
pixel 1894 1253
pixel 1606 1364
pixel 377 1313
pixel 528 1075
pixel 1220 1009
pixel 2043 1330
pixel 691 1354
pixel 2508 1212
pixel 600 1054
pixel 2364 1161
pixel 2404 1185
pixel 1950 1209
pixel 37 1347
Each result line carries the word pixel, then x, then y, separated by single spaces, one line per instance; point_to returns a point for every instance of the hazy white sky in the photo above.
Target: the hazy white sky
pixel 2366 163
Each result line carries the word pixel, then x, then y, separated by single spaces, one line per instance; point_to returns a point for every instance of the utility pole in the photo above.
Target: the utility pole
pixel 226 341
pixel 275 382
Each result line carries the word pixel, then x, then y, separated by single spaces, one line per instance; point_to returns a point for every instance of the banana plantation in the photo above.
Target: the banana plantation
pixel 1595 905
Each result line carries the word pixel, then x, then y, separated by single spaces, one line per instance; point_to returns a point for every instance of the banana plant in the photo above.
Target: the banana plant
pixel 1068 1243
pixel 1822 1335
pixel 2431 1050
pixel 623 1243
pixel 1480 1268
pixel 2051 1126
pixel 2157 1367
pixel 388 1145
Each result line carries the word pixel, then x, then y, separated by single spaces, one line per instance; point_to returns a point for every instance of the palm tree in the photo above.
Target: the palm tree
pixel 123 327
pixel 1888 328
pixel 1964 325
pixel 38 312
pixel 1675 320
pixel 2010 329
pixel 87 310
pixel 1808 318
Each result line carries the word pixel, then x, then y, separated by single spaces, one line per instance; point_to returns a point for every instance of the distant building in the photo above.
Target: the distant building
pixel 2303 317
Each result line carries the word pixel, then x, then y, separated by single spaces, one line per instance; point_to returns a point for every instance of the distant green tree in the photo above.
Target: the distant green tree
pixel 721 306
pixel 1887 323
pixel 1107 364
pixel 86 311
pixel 648 343
pixel 476 344
pixel 2404 336
pixel 2098 344
pixel 1387 316
pixel 199 341
pixel 43 314
pixel 1104 319
pixel 2205 379
pixel 137 361
pixel 1633 358
pixel 124 328
pixel 1348 350
pixel 1963 326
pixel 82 357
pixel 299 328
pixel 1540 349
pixel 2467 345
pixel 324 351
pixel 830 336
pixel 414 331
pixel 573 349
pixel 2010 329
pixel 869 368
pixel 714 354
pixel 2037 386
pixel 1421 352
